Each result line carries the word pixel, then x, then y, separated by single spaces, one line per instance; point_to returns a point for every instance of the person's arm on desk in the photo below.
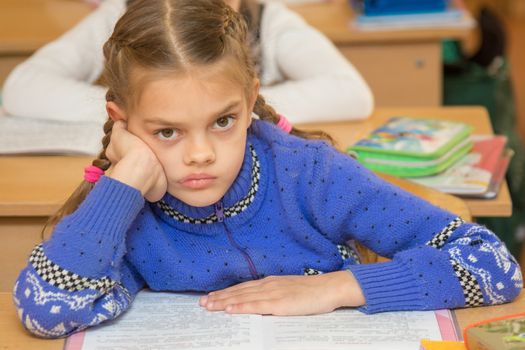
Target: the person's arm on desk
pixel 80 277
pixel 438 261
pixel 56 83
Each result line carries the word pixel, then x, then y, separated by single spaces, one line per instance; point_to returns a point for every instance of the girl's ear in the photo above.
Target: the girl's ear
pixel 115 112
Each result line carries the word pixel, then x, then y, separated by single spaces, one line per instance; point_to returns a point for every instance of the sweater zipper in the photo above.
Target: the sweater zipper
pixel 219 212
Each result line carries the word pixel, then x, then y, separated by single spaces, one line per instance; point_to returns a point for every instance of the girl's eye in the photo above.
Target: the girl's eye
pixel 224 123
pixel 167 134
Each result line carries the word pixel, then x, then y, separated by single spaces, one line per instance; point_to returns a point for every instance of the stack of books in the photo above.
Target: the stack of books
pixel 407 14
pixel 440 154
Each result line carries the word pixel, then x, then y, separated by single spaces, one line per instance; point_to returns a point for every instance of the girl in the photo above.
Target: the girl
pixel 201 197
pixel 302 73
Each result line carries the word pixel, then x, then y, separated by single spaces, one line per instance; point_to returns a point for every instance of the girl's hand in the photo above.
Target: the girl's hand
pixel 135 164
pixel 288 295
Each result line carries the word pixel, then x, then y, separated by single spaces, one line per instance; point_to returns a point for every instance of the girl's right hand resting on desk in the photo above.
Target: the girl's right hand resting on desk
pixel 135 164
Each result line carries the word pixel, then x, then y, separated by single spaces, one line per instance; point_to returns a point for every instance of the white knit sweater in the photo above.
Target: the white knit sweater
pixel 304 76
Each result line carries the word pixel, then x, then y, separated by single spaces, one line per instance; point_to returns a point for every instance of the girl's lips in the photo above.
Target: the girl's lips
pixel 197 182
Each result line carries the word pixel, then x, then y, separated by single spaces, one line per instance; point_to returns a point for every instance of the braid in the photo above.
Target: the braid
pixel 233 25
pixel 267 113
pixel 85 187
pixel 102 160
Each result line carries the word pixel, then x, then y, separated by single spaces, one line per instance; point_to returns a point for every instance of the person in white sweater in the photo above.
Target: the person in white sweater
pixel 302 74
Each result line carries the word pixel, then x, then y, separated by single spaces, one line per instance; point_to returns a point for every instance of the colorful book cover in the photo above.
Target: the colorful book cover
pixel 474 173
pixel 423 138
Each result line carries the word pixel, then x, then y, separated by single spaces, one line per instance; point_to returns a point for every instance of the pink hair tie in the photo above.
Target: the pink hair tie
pixel 92 173
pixel 284 124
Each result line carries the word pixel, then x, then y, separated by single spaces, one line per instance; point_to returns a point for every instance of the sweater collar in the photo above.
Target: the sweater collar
pixel 238 199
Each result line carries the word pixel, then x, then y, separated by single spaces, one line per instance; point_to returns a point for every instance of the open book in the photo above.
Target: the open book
pixel 19 135
pixel 176 321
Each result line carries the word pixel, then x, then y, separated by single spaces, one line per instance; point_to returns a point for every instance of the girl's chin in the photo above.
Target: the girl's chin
pixel 197 200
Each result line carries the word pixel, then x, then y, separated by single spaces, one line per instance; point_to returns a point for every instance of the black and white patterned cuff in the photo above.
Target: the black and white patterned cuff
pixel 469 284
pixel 441 238
pixel 64 279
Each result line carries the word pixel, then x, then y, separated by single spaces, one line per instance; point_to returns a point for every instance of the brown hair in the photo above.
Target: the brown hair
pixel 168 37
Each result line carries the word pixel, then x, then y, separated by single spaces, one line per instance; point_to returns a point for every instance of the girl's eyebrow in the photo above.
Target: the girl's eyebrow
pixel 161 121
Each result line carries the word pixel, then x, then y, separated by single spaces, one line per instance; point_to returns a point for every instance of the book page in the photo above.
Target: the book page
pixel 351 329
pixel 171 321
pixel 20 135
pixel 176 321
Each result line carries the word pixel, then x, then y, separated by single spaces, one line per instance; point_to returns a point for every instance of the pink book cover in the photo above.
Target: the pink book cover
pixel 471 175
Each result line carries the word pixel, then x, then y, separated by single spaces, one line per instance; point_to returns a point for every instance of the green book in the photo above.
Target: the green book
pixel 411 147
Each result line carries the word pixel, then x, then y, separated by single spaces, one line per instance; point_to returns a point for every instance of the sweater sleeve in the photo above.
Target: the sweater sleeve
pixel 56 83
pixel 437 259
pixel 80 276
pixel 304 76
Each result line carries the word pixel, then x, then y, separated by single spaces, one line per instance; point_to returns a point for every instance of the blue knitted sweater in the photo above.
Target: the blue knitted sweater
pixel 295 208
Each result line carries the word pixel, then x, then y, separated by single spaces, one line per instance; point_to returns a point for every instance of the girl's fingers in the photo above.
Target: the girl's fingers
pixel 221 304
pixel 261 307
pixel 257 286
pixel 110 154
pixel 237 287
pixel 160 186
pixel 229 295
pixel 249 284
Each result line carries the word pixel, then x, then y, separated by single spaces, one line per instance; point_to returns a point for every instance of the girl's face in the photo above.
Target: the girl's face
pixel 196 124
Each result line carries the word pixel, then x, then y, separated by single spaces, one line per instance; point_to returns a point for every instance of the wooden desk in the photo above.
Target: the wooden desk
pixel 402 67
pixel 29 24
pixel 13 336
pixel 32 188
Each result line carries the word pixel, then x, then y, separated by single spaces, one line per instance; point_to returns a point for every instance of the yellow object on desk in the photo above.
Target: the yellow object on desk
pixel 442 345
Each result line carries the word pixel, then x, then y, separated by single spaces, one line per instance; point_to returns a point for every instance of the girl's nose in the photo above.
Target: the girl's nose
pixel 199 152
